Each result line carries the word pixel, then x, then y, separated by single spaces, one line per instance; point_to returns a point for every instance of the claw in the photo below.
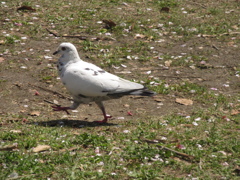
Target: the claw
pixel 101 122
pixel 104 120
pixel 59 108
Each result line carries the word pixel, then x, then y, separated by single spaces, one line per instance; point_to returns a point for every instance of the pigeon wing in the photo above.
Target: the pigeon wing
pixel 86 79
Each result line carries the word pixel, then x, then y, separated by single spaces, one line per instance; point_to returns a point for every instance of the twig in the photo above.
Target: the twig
pixel 52 32
pixel 62 150
pixel 51 91
pixel 166 76
pixel 203 6
pixel 69 36
pixel 81 37
pixel 51 103
pixel 75 36
pixel 183 155
pixel 223 34
pixel 230 33
pixel 178 77
pixel 215 47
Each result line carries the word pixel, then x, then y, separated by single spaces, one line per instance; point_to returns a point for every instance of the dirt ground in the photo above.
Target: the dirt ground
pixel 186 51
pixel 18 86
pixel 23 66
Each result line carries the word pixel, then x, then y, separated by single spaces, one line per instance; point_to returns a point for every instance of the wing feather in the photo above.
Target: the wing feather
pixel 89 80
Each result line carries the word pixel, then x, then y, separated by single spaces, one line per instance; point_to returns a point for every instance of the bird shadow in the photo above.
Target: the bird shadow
pixel 71 123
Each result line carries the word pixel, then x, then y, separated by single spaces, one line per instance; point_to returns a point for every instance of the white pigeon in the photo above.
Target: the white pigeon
pixel 89 83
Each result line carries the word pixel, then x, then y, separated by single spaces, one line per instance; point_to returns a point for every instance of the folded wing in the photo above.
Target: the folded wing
pixel 89 80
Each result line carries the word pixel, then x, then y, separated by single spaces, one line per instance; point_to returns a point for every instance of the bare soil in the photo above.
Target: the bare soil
pixel 23 68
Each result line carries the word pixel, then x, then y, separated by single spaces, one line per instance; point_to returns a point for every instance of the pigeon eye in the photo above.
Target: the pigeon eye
pixel 63 48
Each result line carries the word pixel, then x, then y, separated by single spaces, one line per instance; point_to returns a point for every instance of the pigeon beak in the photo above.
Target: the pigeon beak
pixel 56 52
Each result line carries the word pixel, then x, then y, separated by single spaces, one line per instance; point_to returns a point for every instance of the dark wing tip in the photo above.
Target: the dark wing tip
pixel 143 92
pixel 138 92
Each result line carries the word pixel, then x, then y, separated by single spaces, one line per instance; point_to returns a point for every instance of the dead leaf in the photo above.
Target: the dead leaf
pixel 109 24
pixel 204 65
pixel 185 102
pixel 76 133
pixel 124 72
pixel 41 148
pixel 235 27
pixel 237 171
pixel 9 147
pixel 72 149
pixel 235 112
pixel 35 113
pixel 139 36
pixel 207 35
pixel 165 9
pixel 55 101
pixel 143 68
pixel 150 38
pixel 26 8
pixel 131 28
pixel 41 161
pixel 63 150
pixel 1 59
pixel 16 131
pixel 180 160
pixel 2 42
pixel 81 167
pixel 231 43
pixel 168 63
pixel 136 97
pixel 158 100
pixel 187 125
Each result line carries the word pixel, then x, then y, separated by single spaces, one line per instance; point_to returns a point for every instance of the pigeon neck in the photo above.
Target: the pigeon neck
pixel 74 56
pixel 70 56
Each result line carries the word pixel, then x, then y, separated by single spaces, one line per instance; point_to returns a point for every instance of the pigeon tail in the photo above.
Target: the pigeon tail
pixel 138 92
pixel 143 92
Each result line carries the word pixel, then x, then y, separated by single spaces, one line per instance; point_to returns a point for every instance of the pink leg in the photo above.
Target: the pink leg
pixel 59 108
pixel 106 117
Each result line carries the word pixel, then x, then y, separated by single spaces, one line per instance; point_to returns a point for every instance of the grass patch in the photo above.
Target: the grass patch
pixel 145 146
pixel 123 153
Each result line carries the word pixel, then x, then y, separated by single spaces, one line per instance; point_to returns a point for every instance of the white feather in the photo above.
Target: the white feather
pixel 87 79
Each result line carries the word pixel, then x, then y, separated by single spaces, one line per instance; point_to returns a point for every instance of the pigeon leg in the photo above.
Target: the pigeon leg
pixel 72 107
pixel 59 108
pixel 106 117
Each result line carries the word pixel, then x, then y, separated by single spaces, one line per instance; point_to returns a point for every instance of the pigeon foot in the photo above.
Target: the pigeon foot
pixel 59 108
pixel 104 120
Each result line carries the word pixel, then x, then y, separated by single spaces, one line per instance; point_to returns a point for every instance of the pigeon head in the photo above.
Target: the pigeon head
pixel 67 49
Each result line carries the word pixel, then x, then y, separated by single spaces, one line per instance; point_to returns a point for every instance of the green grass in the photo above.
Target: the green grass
pixel 208 132
pixel 102 154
